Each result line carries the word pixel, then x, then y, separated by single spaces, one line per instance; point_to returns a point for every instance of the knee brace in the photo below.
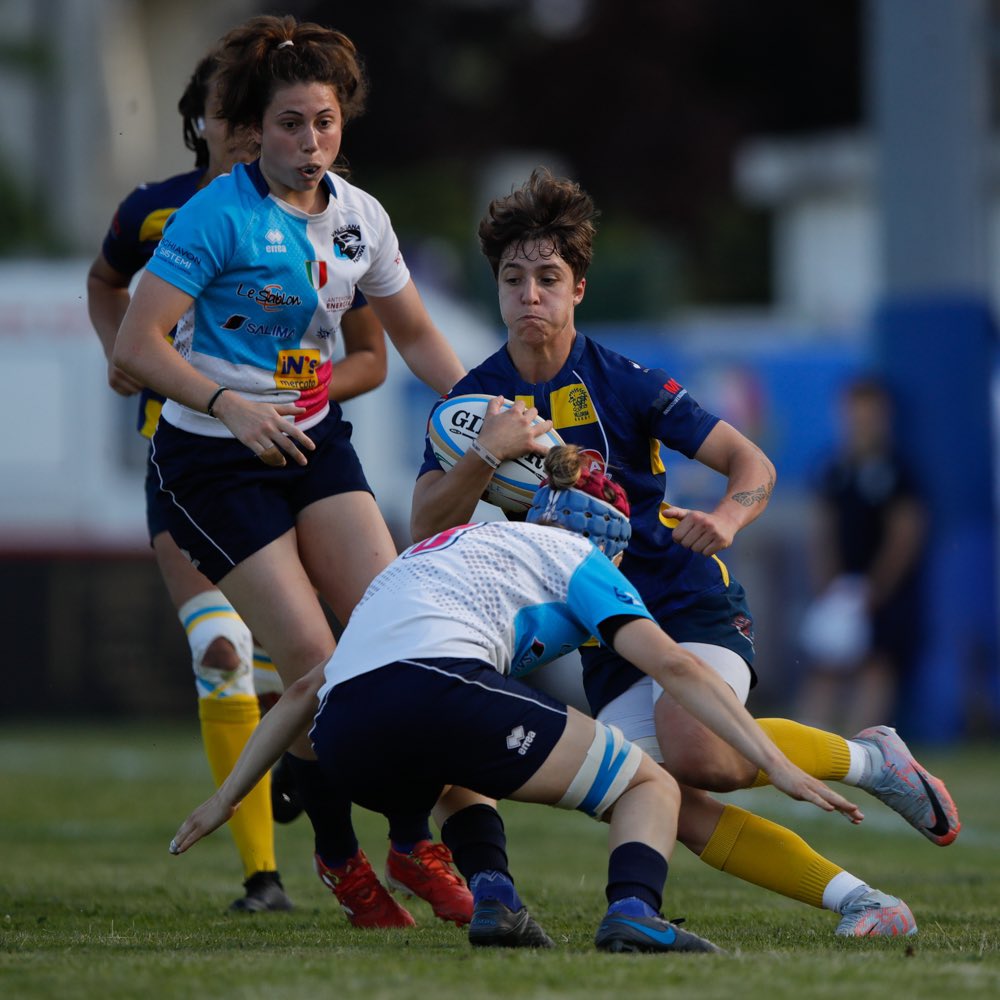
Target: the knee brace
pixel 266 680
pixel 605 773
pixel 207 617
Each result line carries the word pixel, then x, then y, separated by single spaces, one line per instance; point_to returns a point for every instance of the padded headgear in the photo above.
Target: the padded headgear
pixel 578 509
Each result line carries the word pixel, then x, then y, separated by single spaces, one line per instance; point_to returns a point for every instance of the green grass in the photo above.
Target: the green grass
pixel 92 905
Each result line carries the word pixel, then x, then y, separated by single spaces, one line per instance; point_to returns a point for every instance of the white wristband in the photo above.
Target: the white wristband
pixel 487 456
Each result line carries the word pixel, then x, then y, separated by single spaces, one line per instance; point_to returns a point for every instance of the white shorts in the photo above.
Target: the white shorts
pixel 632 711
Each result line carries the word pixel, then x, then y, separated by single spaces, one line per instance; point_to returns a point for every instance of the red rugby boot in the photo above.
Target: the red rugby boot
pixel 427 872
pixel 363 898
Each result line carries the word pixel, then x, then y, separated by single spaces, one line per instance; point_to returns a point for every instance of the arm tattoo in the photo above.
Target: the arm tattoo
pixel 759 495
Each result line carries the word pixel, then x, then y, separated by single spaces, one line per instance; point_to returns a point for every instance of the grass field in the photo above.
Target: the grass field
pixel 92 905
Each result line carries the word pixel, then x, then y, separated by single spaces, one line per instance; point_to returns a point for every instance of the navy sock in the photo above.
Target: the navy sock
pixel 632 906
pixel 407 830
pixel 635 869
pixel 328 810
pixel 477 841
pixel 495 885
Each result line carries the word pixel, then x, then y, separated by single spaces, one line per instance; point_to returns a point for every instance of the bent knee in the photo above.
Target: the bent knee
pixel 660 781
pixel 721 770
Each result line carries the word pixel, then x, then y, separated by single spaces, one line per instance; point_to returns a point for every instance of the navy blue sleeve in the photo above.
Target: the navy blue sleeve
pixel 668 409
pixel 122 248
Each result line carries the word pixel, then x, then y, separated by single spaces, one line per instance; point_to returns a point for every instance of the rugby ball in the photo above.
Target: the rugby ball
pixel 456 423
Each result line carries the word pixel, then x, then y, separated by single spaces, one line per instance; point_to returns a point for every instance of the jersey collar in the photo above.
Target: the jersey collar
pixel 260 182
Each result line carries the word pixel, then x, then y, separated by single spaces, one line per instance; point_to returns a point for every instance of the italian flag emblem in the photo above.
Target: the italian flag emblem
pixel 316 272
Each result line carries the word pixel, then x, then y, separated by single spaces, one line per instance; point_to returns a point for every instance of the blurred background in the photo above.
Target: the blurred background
pixel 792 195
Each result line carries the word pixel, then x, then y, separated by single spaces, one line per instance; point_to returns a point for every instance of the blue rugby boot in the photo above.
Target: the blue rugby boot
pixel 622 932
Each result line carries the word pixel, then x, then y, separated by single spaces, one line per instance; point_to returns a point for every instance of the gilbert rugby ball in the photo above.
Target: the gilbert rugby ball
pixel 456 423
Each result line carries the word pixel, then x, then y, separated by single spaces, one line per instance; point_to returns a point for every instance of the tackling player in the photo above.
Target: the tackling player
pixel 436 645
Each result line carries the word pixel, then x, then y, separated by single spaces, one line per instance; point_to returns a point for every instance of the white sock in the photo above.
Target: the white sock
pixel 862 764
pixel 839 888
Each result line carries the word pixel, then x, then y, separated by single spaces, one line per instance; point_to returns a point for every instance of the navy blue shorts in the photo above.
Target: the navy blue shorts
pixel 157 502
pixel 393 738
pixel 226 504
pixel 720 618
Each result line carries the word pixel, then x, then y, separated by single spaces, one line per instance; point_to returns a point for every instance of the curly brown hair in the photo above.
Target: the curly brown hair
pixel 254 62
pixel 545 209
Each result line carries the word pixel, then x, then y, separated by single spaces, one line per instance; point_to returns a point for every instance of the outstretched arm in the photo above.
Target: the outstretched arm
pixel 275 733
pixel 420 343
pixel 703 693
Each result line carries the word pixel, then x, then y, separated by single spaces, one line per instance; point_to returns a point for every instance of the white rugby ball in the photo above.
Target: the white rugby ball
pixel 456 423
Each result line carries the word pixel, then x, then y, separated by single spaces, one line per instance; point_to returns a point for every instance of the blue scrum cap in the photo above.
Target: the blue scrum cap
pixel 605 524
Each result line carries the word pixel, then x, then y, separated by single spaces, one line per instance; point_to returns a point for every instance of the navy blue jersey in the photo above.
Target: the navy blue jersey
pixel 621 414
pixel 132 238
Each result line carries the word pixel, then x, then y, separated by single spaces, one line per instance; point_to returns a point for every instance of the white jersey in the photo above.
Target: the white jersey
pixel 512 595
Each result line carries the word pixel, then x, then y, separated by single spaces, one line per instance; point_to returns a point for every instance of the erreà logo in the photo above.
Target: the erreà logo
pixel 276 241
pixel 519 740
pixel 316 273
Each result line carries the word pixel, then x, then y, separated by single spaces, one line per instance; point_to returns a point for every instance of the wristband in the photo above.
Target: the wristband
pixel 487 456
pixel 215 396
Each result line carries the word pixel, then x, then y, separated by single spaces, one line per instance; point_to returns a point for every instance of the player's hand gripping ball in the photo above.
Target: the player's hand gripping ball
pixel 456 423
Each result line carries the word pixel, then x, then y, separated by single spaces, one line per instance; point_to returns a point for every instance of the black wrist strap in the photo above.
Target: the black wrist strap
pixel 215 395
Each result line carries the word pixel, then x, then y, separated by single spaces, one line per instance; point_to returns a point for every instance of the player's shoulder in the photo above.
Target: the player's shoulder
pixel 161 196
pixel 242 187
pixel 616 364
pixel 226 205
pixel 175 189
pixel 349 197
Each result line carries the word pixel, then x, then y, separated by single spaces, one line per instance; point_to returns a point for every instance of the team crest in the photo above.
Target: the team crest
pixel 571 406
pixel 347 243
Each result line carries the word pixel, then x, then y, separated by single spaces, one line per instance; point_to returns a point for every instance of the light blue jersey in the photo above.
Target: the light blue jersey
pixel 270 285
pixel 512 595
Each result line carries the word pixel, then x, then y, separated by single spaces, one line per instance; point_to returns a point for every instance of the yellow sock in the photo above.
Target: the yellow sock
pixel 759 851
pixel 821 754
pixel 226 725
